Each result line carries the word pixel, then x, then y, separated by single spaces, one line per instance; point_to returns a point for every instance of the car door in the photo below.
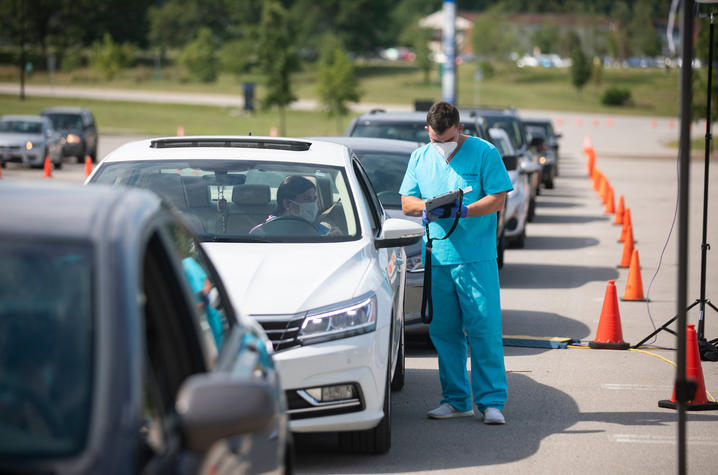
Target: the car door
pixel 391 259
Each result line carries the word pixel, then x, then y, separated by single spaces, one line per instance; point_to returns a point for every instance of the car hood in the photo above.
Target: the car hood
pixel 283 279
pixel 18 139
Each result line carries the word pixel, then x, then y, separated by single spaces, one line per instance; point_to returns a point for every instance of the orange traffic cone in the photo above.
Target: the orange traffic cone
pixel 694 372
pixel 610 204
pixel 273 131
pixel 47 169
pixel 620 210
pixel 603 192
pixel 596 178
pixel 626 224
pixel 590 161
pixel 180 131
pixel 0 171
pixel 88 165
pixel 586 143
pixel 609 335
pixel 627 249
pixel 634 283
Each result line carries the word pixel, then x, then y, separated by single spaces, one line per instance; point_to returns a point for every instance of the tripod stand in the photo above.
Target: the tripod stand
pixel 708 349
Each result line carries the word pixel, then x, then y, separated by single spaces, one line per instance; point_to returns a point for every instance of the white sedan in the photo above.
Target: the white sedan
pixel 326 283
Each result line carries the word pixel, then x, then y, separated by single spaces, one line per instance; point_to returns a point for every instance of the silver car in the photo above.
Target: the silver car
pixel 28 139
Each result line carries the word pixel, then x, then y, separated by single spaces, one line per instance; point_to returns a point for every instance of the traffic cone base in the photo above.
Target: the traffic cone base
pixel 609 335
pixel 694 372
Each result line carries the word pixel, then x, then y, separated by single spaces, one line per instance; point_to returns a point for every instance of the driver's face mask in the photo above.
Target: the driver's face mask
pixel 308 210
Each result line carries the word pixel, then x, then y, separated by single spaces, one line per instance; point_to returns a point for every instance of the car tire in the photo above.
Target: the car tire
pixel 58 164
pixel 373 441
pixel 532 210
pixel 397 382
pixel 519 241
pixel 549 184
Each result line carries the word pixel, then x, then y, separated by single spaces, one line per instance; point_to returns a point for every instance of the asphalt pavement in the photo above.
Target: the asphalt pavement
pixel 575 409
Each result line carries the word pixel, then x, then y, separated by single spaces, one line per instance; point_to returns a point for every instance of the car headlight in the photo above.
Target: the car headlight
pixel 542 160
pixel 28 145
pixel 345 320
pixel 72 138
pixel 414 263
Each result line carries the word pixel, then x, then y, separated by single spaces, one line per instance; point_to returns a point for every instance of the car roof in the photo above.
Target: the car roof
pixel 413 117
pixel 490 111
pixel 65 110
pixel 535 121
pixel 232 148
pixel 69 211
pixel 27 118
pixel 374 144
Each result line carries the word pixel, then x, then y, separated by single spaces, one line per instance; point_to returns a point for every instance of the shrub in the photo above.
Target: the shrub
pixel 72 58
pixel 200 57
pixel 616 96
pixel 109 57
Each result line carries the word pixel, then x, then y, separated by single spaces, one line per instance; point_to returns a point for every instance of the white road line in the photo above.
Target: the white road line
pixel 659 439
pixel 636 387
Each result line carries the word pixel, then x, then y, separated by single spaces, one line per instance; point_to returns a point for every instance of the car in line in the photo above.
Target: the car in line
pixel 111 360
pixel 78 128
pixel 329 291
pixel 518 199
pixel 547 147
pixel 410 126
pixel 508 119
pixel 29 139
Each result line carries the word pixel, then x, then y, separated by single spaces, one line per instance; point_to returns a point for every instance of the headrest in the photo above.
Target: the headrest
pixel 169 186
pixel 197 191
pixel 250 194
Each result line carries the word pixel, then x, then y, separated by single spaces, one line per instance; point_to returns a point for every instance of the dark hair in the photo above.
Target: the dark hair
pixel 442 116
pixel 290 187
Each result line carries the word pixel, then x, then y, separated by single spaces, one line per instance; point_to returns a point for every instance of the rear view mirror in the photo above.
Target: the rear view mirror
pixel 511 162
pixel 214 406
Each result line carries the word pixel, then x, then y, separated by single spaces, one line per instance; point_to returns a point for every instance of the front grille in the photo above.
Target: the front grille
pixel 9 148
pixel 283 333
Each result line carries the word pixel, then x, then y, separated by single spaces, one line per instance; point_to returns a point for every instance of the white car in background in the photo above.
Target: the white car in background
pixel 518 199
pixel 332 303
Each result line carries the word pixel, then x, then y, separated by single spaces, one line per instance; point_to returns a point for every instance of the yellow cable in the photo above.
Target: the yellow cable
pixel 647 353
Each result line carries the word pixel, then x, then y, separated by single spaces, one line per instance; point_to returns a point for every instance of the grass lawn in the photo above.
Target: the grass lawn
pixel 655 92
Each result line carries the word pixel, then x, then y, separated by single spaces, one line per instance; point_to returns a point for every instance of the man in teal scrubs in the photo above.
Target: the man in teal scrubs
pixel 465 278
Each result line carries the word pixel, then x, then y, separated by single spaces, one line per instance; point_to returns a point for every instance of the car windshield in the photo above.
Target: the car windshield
pixel 65 121
pixel 46 303
pixel 536 131
pixel 236 200
pixel 511 126
pixel 410 131
pixel 20 127
pixel 386 172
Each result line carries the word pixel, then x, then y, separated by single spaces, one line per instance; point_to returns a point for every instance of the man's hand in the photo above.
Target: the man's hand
pixel 457 209
pixel 433 215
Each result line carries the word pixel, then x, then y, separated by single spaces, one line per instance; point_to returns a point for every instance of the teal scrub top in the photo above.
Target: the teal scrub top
pixel 477 164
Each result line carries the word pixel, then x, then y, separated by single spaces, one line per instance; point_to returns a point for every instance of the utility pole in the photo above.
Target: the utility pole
pixel 448 78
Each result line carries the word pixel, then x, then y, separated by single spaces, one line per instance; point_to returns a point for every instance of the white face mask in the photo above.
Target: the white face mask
pixel 308 210
pixel 445 149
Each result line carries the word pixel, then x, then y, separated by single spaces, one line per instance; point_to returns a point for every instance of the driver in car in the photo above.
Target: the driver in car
pixel 297 196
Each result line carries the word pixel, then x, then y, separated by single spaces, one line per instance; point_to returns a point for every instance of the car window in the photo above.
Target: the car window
pixel 409 131
pixel 375 209
pixel 386 172
pixel 536 131
pixel 236 200
pixel 21 126
pixel 209 299
pixel 46 331
pixel 62 121
pixel 512 127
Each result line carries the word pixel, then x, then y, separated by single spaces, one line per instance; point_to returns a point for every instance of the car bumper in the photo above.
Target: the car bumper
pixel 28 158
pixel 357 360
pixel 73 149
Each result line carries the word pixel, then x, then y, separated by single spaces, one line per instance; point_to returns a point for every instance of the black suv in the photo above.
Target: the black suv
pixel 509 120
pixel 77 126
pixel 547 147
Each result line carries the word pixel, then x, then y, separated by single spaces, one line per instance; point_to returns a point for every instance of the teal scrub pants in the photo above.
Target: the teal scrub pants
pixel 467 306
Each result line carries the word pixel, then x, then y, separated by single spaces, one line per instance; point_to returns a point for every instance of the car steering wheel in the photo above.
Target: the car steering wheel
pixel 20 394
pixel 287 226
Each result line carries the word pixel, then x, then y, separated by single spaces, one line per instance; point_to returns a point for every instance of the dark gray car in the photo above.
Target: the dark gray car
pixel 78 128
pixel 119 349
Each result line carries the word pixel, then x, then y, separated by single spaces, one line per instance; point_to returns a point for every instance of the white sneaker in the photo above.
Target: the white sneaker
pixel 493 416
pixel 447 411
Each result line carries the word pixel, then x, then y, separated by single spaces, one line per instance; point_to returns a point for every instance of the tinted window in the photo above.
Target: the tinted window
pixel 46 326
pixel 536 131
pixel 386 172
pixel 235 200
pixel 20 127
pixel 511 126
pixel 65 121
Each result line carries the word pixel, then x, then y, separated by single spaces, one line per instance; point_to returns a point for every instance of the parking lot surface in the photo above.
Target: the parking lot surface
pixel 571 410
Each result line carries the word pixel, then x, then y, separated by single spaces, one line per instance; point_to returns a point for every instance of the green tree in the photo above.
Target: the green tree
pixel 580 68
pixel 109 57
pixel 423 53
pixel 491 36
pixel 619 43
pixel 645 40
pixel 199 56
pixel 546 38
pixel 278 59
pixel 237 55
pixel 338 83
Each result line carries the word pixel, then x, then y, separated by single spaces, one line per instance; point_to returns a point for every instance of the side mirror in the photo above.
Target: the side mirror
pixel 537 141
pixel 398 232
pixel 558 135
pixel 215 406
pixel 511 162
pixel 528 167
